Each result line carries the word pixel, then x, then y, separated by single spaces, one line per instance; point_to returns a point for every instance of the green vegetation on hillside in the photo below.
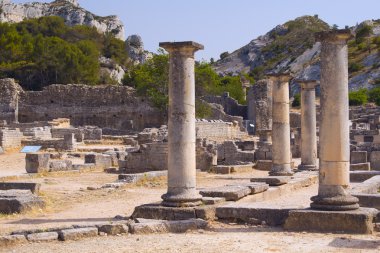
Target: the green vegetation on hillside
pixel 359 97
pixel 296 37
pixel 151 79
pixel 44 51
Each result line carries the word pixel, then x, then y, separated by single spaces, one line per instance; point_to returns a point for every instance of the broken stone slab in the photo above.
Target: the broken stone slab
pixel 33 187
pixel 113 185
pixel 358 221
pixel 212 201
pixel 369 186
pixel 133 178
pixel 221 169
pixel 163 226
pixel 272 180
pixel 9 240
pixel 230 193
pixel 360 166
pixel 17 201
pixel 77 233
pixel 256 187
pixel 42 237
pixel 360 176
pixel 114 229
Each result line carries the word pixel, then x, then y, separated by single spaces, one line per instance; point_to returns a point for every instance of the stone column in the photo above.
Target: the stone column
pixel 308 126
pixel 281 154
pixel 181 125
pixel 334 157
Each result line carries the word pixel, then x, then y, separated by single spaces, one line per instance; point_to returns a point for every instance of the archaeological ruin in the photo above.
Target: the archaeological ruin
pixel 123 166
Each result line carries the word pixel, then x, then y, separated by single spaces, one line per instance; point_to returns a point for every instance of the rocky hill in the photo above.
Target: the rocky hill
pixel 69 10
pixel 291 47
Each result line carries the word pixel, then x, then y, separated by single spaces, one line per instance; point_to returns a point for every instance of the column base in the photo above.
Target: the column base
pixel 281 170
pixel 185 199
pixel 336 203
pixel 308 167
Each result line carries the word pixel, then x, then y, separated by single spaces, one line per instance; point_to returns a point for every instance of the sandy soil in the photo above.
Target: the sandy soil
pixel 69 202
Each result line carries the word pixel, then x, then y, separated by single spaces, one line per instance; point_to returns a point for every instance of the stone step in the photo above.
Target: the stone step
pixel 272 180
pixel 147 226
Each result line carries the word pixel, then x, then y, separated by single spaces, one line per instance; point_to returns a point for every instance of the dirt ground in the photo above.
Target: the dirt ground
pixel 69 202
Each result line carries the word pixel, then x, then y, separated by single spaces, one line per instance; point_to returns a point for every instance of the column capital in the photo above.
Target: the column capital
pixel 334 35
pixel 307 84
pixel 281 77
pixel 182 46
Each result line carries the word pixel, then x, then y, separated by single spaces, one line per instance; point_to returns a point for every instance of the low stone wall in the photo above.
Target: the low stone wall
pixel 219 131
pixel 10 138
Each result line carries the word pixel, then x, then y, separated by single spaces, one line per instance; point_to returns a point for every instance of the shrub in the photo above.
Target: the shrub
pixel 359 97
pixel 374 95
pixel 354 67
pixel 296 101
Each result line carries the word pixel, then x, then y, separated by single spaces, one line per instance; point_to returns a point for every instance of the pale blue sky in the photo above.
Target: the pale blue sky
pixel 222 25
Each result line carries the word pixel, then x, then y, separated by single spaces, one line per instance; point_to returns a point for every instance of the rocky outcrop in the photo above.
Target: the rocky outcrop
pixel 261 52
pixel 69 10
pixel 135 48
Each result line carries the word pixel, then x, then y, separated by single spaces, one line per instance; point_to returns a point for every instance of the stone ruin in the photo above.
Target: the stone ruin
pixel 187 144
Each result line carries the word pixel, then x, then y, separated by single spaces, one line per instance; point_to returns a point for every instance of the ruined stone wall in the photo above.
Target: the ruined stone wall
pixel 116 107
pixel 230 105
pixel 10 138
pixel 9 91
pixel 219 131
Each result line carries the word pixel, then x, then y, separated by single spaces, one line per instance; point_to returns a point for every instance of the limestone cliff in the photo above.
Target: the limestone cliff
pixel 69 10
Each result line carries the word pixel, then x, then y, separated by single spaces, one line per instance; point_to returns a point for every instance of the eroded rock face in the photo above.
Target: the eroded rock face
pixel 135 47
pixel 69 10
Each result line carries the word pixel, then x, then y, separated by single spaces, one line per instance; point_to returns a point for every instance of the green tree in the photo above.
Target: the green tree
pixel 296 100
pixel 358 97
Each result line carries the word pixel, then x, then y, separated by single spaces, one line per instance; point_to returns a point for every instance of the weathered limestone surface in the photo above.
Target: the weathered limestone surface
pixel 334 173
pixel 281 154
pixel 16 201
pixel 77 233
pixel 181 125
pixel 358 221
pixel 308 126
pixel 37 162
pixel 33 187
pixel 146 226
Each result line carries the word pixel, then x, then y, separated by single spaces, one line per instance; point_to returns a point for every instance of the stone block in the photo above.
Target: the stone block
pixel 369 200
pixel 272 180
pixel 42 237
pixel 37 162
pixel 230 193
pixel 9 240
pixel 61 165
pixel 162 226
pixel 360 166
pixel 33 187
pixel 358 157
pixel 221 169
pixel 212 201
pixel 158 212
pixel 113 229
pixel 206 212
pixel 133 178
pixel 77 233
pixel 101 161
pixel 360 176
pixel 356 222
pixel 375 160
pixel 271 216
pixel 17 201
pixel 265 165
pixel 257 187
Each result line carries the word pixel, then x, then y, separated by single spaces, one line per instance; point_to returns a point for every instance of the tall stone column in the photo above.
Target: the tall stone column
pixel 181 125
pixel 308 126
pixel 281 154
pixel 334 157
